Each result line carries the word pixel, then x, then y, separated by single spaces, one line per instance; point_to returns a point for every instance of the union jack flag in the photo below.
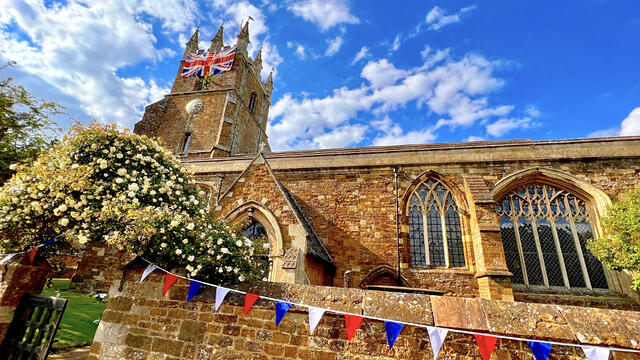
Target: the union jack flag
pixel 194 65
pixel 201 64
pixel 221 61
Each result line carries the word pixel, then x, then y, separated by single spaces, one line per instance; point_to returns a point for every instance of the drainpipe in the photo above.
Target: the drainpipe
pixel 395 180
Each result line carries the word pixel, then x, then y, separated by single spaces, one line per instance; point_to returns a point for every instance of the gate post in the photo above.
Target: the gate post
pixel 17 278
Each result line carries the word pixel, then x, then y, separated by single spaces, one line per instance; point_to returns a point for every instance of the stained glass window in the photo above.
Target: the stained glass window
pixel 434 227
pixel 544 232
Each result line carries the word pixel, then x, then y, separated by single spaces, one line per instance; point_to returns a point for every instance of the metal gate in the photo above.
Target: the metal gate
pixel 33 327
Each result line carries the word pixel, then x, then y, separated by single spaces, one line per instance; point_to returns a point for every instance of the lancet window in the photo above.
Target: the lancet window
pixel 434 226
pixel 544 234
pixel 255 231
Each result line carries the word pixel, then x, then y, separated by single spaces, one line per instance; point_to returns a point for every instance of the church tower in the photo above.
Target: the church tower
pixel 216 116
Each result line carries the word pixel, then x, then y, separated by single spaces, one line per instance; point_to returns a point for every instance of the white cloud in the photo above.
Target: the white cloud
pixel 363 53
pixel 341 136
pixel 475 138
pixel 300 52
pixel 78 48
pixel 396 43
pixel 503 126
pixel 631 125
pixel 392 134
pixel 453 93
pixel 324 13
pixel 334 46
pixel 381 73
pixel 437 18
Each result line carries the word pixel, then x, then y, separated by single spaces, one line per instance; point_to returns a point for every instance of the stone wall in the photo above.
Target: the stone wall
pixel 348 196
pixel 139 323
pixel 98 268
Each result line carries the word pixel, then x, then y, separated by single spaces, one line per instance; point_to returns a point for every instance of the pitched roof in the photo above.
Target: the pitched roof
pixel 315 246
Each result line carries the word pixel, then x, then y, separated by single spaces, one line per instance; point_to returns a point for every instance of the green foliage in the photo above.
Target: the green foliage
pixel 619 249
pixel 25 125
pixel 103 185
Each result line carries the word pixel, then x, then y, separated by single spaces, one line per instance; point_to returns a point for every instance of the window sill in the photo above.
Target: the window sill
pixel 439 269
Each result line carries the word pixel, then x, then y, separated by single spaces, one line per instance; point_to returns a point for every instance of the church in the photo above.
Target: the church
pixel 505 220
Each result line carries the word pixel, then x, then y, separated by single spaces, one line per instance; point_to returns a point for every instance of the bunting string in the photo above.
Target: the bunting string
pixel 588 349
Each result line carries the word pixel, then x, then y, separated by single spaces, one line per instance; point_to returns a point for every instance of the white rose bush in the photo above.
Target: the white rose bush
pixel 104 185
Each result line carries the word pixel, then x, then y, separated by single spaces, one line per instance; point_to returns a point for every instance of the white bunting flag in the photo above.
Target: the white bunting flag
pixel 596 353
pixel 147 271
pixel 221 293
pixel 436 336
pixel 7 258
pixel 315 314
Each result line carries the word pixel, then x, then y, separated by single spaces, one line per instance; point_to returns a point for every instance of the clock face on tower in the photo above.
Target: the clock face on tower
pixel 194 106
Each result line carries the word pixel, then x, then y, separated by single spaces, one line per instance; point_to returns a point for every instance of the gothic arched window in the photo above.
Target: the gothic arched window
pixel 544 233
pixel 255 231
pixel 434 226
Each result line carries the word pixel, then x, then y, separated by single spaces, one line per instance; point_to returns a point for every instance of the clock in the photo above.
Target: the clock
pixel 194 106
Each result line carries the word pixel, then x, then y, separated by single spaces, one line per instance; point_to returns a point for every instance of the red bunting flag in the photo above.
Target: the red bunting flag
pixel 169 280
pixel 486 344
pixel 32 255
pixel 352 322
pixel 249 300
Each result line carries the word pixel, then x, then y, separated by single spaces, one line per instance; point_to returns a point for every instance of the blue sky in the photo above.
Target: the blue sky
pixel 351 73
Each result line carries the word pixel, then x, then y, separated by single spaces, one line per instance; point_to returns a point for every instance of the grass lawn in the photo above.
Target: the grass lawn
pixel 77 327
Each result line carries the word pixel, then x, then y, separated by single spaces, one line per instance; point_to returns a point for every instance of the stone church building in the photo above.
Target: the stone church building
pixel 492 219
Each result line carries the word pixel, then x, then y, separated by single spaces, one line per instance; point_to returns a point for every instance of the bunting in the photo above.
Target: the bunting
pixel 595 353
pixel 32 255
pixel 221 293
pixel 393 330
pixel 249 300
pixel 352 323
pixel 486 344
pixel 281 309
pixel 436 337
pixel 150 268
pixel 194 286
pixel 315 314
pixel 540 350
pixel 169 280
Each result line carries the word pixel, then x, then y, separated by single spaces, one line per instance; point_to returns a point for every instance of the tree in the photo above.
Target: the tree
pixel 26 125
pixel 103 185
pixel 619 248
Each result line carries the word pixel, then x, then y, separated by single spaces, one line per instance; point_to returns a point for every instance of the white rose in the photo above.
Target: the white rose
pixel 163 245
pixel 63 221
pixel 178 251
pixel 191 258
pixel 190 226
pixel 133 187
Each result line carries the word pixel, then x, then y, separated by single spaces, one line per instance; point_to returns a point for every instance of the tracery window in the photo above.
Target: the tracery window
pixel 434 226
pixel 255 231
pixel 544 232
